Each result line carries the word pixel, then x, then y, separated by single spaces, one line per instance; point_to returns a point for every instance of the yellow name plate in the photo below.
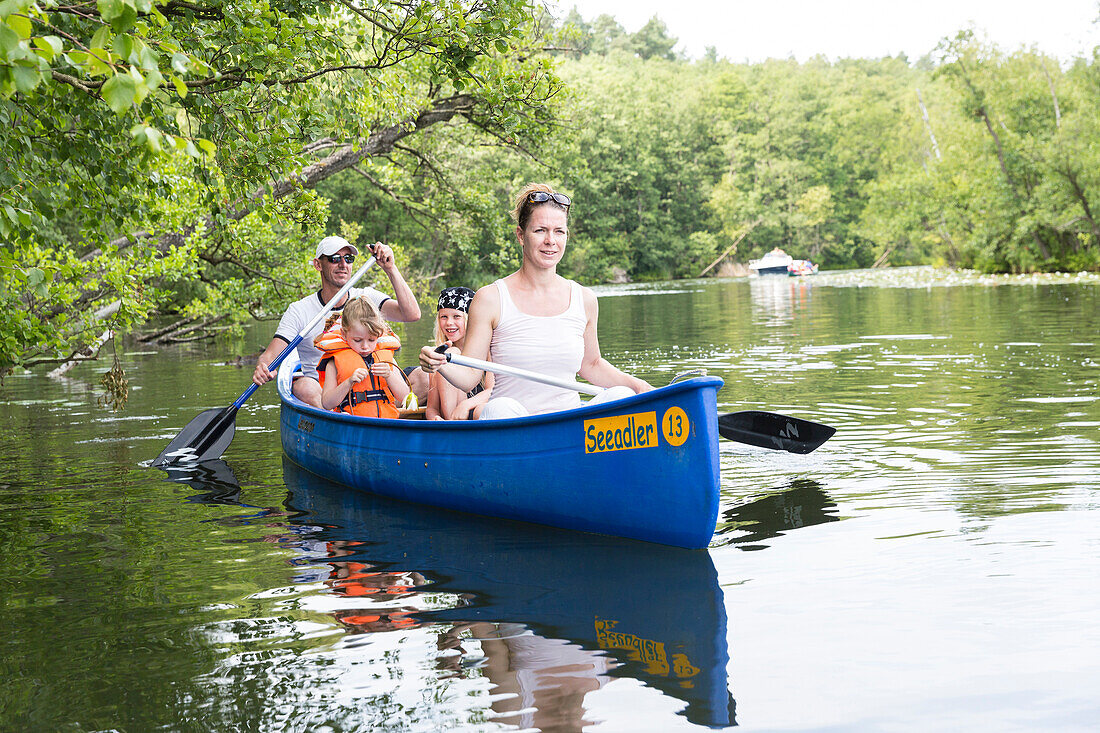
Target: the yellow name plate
pixel 621 432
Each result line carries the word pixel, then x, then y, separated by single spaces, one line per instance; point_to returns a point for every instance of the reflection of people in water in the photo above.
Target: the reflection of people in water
pixel 548 678
pixel 366 621
pixel 353 579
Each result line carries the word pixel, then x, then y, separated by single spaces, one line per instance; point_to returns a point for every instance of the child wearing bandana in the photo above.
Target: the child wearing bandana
pixel 445 401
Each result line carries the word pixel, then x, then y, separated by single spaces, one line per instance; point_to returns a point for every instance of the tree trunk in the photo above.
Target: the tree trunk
pixel 928 126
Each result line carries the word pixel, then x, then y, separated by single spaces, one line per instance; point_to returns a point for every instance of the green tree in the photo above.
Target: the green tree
pixel 1010 184
pixel 640 165
pixel 161 149
pixel 652 41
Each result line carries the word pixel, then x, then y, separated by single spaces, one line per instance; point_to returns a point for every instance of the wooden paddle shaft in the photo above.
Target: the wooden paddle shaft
pixel 511 371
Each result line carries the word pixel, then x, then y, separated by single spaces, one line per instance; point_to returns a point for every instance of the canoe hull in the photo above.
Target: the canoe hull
pixel 556 469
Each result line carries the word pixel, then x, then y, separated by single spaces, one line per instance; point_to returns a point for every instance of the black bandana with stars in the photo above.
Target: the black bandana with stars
pixel 458 298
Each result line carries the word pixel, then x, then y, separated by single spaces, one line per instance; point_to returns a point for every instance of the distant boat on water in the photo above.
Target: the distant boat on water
pixel 798 268
pixel 775 262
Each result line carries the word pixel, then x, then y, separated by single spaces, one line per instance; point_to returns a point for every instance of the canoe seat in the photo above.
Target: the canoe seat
pixel 417 414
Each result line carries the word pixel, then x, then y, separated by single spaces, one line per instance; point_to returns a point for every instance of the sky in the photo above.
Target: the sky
pixel 753 30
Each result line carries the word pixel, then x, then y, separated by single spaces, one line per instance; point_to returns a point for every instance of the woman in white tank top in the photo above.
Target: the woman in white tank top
pixel 537 320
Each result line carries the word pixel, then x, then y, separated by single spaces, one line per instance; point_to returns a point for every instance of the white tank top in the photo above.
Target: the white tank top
pixel 551 345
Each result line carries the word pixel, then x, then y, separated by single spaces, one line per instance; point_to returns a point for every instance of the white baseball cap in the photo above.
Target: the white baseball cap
pixel 332 245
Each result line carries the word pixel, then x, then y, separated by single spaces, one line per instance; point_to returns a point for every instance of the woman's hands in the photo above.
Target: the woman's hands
pixel 433 357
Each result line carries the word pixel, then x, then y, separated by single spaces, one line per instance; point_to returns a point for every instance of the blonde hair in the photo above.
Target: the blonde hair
pixel 522 209
pixel 360 311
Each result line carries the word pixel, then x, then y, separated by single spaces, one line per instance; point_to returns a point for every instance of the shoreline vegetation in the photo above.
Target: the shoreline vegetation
pixel 173 163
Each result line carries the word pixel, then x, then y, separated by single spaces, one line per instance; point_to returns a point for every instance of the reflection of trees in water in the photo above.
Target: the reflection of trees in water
pixel 804 504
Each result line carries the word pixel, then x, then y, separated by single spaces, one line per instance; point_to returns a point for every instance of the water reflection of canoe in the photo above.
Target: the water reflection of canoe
pixel 645 467
pixel 658 611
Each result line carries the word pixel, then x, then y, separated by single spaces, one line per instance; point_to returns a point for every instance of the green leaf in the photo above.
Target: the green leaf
pixel 154 79
pixel 148 59
pixel 97 62
pixel 99 40
pixel 123 45
pixel 121 14
pixel 207 147
pixel 55 43
pixel 141 89
pixel 7 7
pixel 125 21
pixel 9 40
pixel 26 78
pixel 179 63
pixel 181 88
pixel 46 49
pixel 119 92
pixel 21 25
pixel 153 139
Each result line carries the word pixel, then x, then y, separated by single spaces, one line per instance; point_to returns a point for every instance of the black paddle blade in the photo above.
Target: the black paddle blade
pixel 769 430
pixel 204 438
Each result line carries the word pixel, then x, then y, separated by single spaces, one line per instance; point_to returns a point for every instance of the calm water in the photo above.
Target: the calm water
pixel 935 566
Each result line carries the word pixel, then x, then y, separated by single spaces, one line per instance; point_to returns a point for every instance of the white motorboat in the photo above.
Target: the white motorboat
pixel 773 263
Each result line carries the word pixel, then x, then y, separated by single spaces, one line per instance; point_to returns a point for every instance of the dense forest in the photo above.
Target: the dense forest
pixel 179 159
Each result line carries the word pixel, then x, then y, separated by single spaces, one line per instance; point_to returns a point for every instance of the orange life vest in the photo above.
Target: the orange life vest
pixel 372 396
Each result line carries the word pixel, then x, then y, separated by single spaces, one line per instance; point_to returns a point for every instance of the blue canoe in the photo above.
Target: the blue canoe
pixel 644 467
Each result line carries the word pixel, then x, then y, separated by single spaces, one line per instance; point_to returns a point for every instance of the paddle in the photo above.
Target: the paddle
pixel 752 427
pixel 211 432
pixel 769 430
pixel 490 366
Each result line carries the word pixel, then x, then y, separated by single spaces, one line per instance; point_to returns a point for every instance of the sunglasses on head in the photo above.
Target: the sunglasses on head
pixel 539 197
pixel 336 258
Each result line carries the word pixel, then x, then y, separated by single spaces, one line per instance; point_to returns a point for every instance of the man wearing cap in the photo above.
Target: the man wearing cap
pixel 333 259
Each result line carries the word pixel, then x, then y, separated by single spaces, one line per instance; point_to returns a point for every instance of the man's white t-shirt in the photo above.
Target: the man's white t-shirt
pixel 301 312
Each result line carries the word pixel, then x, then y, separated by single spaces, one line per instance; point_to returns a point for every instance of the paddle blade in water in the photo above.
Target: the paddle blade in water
pixel 205 437
pixel 769 430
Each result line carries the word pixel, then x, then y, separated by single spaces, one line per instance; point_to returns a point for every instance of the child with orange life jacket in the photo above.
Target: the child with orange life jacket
pixel 445 401
pixel 360 375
